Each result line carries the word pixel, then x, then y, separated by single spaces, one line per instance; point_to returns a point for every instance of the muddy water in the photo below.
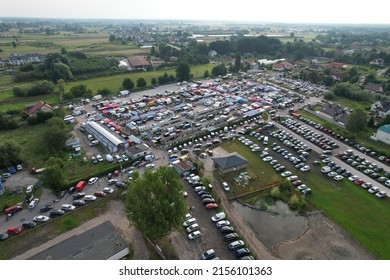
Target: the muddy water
pixel 275 225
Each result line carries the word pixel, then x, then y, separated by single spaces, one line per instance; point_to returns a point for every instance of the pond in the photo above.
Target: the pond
pixel 275 225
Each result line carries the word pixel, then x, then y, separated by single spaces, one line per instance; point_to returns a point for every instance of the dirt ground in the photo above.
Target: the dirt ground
pixel 323 240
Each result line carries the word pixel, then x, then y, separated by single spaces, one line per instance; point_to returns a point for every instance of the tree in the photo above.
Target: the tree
pixel 329 95
pixel 53 178
pixel 155 202
pixel 10 154
pixel 141 82
pixel 371 122
pixel 14 44
pixel 219 70
pixel 128 84
pixel 237 63
pixel 357 121
pixel 183 72
pixel 294 202
pixel 61 87
pixel 61 71
pixel 275 192
pixel 56 135
pixel 206 74
pixel 154 81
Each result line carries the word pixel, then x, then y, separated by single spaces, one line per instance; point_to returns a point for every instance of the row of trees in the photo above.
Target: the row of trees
pixel 39 88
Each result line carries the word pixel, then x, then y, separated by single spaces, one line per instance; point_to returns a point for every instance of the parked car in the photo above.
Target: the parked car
pixel 231 237
pixel 219 216
pixel 108 190
pixel 56 212
pixel 225 186
pixel 208 255
pixel 89 198
pixel 29 224
pixel 189 222
pixel 194 235
pixel 14 230
pixel 33 203
pixel 92 180
pixel 380 194
pixel 226 229
pixel 78 195
pixel 41 219
pixel 242 252
pixel 67 207
pixel 99 194
pixel 211 206
pixel 222 223
pixel 236 244
pixel 78 202
pixel 46 208
pixel 192 227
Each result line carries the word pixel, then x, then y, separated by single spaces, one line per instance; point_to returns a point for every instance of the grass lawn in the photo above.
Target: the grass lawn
pixel 115 82
pixel 351 104
pixel 260 172
pixel 360 214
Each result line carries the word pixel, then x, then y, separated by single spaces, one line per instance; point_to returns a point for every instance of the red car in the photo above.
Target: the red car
pixel 14 230
pixel 359 182
pixel 297 183
pixel 211 206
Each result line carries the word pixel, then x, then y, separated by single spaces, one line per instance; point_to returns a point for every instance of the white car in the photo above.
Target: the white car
pixel 225 186
pixel 29 189
pixel 41 219
pixel 194 235
pixel 353 178
pixel 222 223
pixel 268 158
pixel 189 222
pixel 99 158
pixel 149 166
pixel 338 177
pixel 302 187
pixel 387 183
pixel 218 217
pixel 108 190
pixel 89 198
pixel 305 168
pixel 125 158
pixel 68 207
pixel 332 174
pixel 286 174
pixel 93 180
pixel 326 169
pixel 373 190
pixel 380 194
pixel 33 203
pixel 192 228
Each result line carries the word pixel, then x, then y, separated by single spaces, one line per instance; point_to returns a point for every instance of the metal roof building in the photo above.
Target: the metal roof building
pixel 102 242
pixel 106 137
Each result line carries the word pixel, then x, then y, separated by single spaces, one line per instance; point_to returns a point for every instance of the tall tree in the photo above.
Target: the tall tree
pixel 10 154
pixel 183 72
pixel 56 135
pixel 357 121
pixel 128 84
pixel 155 202
pixel 154 81
pixel 141 82
pixel 53 177
pixel 237 63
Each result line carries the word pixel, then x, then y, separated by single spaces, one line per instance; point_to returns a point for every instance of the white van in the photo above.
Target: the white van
pixel 94 143
pixel 265 140
pixel 109 158
pixel 149 157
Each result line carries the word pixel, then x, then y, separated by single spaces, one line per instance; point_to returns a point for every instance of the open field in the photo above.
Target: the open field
pixel 115 82
pixel 359 213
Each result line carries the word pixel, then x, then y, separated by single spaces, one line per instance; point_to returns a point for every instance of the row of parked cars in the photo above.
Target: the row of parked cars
pixel 231 237
pixel 364 165
pixel 360 147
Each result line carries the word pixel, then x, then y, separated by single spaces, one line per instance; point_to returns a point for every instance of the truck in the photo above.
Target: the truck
pixel 36 170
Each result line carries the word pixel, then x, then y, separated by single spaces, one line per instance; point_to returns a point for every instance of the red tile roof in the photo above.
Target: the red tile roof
pixel 37 107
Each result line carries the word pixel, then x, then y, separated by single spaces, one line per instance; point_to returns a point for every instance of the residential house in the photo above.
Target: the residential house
pixel 156 61
pixel 337 76
pixel 16 59
pixel 229 163
pixel 40 106
pixel 381 108
pixel 372 87
pixel 212 53
pixel 383 134
pixel 377 61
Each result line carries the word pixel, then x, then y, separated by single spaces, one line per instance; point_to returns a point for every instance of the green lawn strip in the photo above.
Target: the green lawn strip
pixel 115 82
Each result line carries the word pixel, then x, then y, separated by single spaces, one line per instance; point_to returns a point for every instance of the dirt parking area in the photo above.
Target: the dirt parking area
pixel 323 240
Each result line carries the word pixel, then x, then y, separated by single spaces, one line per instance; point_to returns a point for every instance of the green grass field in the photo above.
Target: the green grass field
pixel 360 214
pixel 115 82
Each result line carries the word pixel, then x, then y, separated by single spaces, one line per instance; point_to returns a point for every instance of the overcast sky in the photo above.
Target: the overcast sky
pixel 286 11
